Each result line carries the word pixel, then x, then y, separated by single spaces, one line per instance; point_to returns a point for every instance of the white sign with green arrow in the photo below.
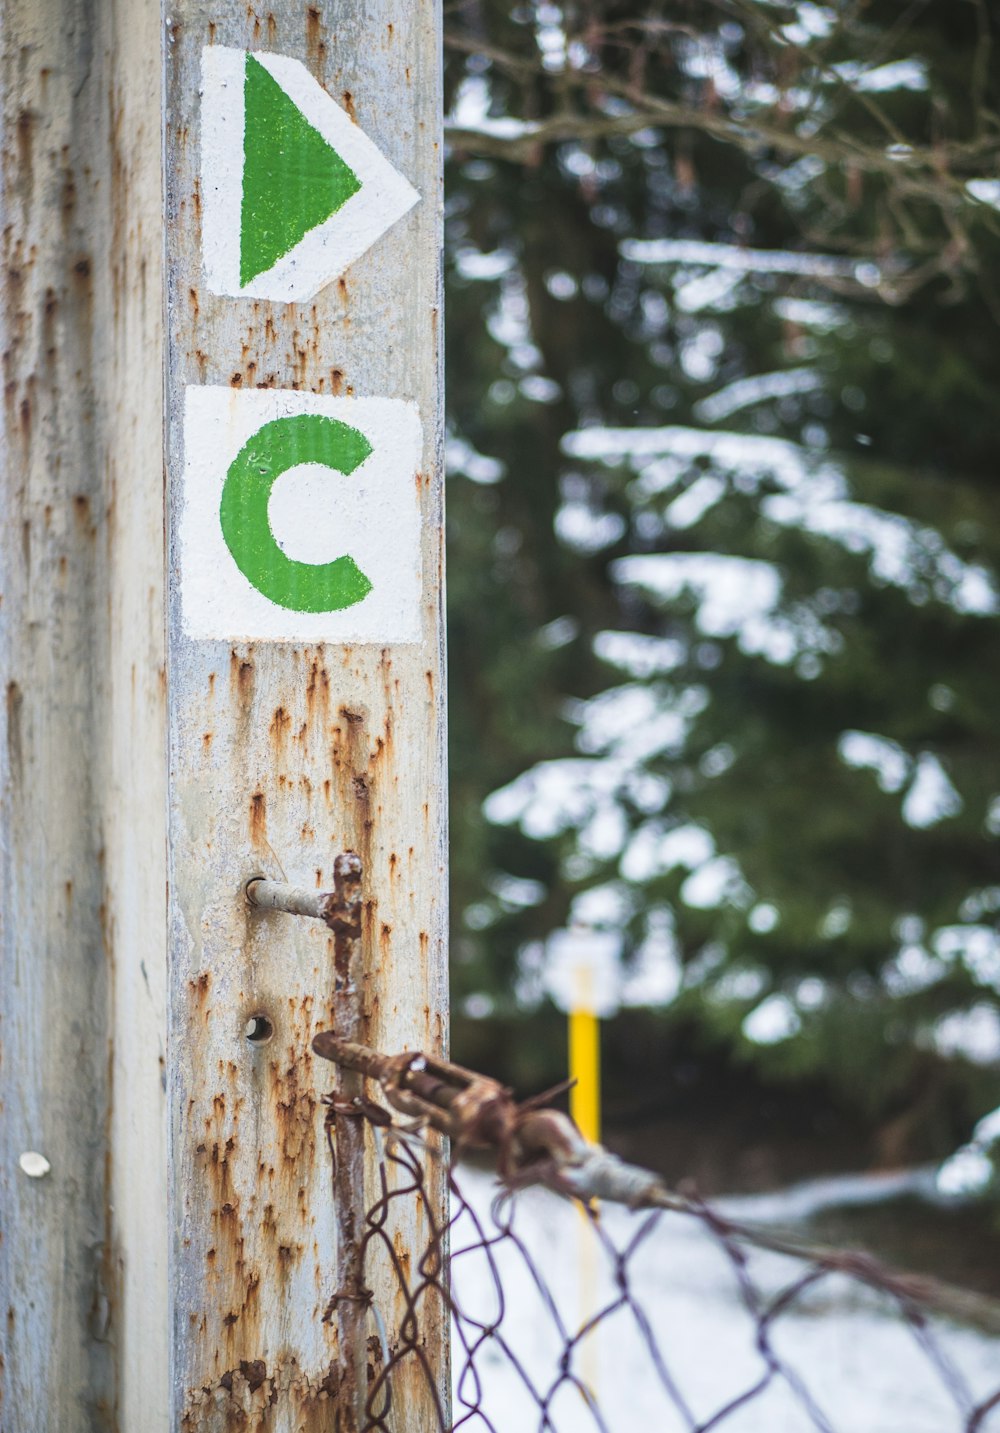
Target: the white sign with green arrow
pixel 293 191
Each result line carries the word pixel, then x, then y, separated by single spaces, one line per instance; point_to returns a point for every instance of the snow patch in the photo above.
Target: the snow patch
pixel 972 1034
pixel 746 392
pixel 846 1344
pixel 772 1021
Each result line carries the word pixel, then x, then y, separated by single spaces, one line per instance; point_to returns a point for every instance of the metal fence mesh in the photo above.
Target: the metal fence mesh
pixel 658 1312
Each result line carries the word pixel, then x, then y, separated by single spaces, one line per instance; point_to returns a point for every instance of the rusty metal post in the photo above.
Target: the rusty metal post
pixel 188 322
pixel 304 673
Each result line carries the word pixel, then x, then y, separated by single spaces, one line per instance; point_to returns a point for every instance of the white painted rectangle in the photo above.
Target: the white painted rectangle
pixel 316 515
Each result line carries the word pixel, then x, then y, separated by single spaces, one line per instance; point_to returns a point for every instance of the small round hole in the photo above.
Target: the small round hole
pixel 258 1030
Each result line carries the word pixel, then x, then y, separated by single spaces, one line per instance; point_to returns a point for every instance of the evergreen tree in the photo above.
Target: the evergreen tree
pixel 723 351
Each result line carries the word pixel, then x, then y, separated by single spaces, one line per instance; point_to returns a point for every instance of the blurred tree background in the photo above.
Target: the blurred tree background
pixel 724 362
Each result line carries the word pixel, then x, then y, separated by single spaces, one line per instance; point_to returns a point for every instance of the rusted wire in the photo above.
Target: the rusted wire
pixel 538 1146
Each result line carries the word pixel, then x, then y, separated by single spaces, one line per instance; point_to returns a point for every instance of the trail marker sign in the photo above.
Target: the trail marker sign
pixel 301 517
pixel 293 191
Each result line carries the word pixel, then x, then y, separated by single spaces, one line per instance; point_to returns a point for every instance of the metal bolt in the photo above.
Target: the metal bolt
pixel 293 900
pixel 340 908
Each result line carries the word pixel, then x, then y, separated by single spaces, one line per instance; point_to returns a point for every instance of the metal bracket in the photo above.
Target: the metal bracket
pixel 340 909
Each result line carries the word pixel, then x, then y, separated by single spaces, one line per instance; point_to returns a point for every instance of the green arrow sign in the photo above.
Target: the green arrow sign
pixel 293 189
pixel 292 178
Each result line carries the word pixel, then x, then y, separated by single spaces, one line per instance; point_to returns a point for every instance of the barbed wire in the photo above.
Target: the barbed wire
pixel 525 1342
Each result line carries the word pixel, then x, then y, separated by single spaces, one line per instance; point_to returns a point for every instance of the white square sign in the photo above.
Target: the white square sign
pixel 301 517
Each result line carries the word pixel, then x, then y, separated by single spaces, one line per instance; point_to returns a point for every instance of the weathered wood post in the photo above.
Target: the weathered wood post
pixel 222 241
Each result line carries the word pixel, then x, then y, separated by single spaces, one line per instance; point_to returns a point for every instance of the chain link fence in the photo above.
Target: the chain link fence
pixel 640 1307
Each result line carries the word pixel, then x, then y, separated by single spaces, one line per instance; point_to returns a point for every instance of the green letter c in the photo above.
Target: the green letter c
pixel 279 445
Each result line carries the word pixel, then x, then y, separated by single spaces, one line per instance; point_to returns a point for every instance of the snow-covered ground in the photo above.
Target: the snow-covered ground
pixel 865 1370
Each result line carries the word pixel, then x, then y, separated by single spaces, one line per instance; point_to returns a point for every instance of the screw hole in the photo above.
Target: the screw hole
pixel 258 1030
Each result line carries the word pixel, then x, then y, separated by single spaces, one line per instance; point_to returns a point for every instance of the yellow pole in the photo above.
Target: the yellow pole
pixel 585 1108
pixel 585 1069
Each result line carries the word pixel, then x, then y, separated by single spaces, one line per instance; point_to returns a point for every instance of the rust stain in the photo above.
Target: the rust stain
pixel 258 1237
pixel 294 1103
pixel 254 1371
pixel 317 694
pixel 15 749
pixel 49 309
pixel 279 728
pixel 241 676
pixel 200 987
pixel 258 819
pixel 81 511
pixel 402 1253
pixel 250 1396
pixel 25 137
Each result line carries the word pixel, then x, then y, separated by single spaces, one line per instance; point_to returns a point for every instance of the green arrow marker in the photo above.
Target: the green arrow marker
pixel 292 179
pixel 277 446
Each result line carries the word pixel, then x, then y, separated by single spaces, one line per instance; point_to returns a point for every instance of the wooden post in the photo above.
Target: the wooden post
pixel 230 277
